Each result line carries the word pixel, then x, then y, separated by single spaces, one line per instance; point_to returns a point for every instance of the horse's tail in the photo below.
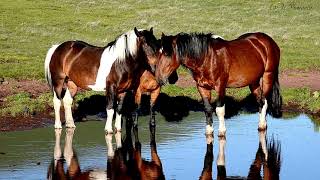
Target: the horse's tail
pixel 47 65
pixel 275 98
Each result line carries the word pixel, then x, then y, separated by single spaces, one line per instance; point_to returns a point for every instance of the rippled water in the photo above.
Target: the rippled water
pixel 181 147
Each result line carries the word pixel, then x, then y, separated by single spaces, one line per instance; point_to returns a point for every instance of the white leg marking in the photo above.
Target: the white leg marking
pixel 67 104
pixel 57 149
pixel 221 155
pixel 108 126
pixel 262 140
pixel 56 106
pixel 220 113
pixel 118 139
pixel 68 150
pixel 262 116
pixel 110 151
pixel 209 129
pixel 117 124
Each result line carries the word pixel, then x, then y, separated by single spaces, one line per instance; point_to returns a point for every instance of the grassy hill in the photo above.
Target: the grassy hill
pixel 29 27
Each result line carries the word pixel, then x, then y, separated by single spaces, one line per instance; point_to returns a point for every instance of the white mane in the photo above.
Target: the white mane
pixel 124 46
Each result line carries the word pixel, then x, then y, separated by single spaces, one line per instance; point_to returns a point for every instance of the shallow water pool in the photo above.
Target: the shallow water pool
pixel 180 150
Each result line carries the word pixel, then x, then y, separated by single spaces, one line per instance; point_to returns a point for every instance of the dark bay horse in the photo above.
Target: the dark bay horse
pixel 250 60
pixel 115 69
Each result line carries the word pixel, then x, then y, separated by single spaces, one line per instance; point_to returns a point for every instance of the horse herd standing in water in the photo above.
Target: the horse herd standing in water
pixel 138 62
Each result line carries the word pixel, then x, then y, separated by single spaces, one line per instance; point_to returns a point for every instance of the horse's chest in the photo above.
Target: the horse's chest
pixel 106 62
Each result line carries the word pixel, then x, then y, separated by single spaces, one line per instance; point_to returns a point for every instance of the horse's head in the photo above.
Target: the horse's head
pixel 149 45
pixel 168 61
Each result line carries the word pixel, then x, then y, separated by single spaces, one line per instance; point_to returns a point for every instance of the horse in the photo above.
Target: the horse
pixel 115 69
pixel 149 85
pixel 218 64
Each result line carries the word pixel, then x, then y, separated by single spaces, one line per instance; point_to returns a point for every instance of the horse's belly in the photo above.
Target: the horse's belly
pixel 242 77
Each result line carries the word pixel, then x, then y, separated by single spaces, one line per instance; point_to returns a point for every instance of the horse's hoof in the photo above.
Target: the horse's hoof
pixel 110 131
pixel 262 128
pixel 70 126
pixel 221 134
pixel 58 126
pixel 209 138
pixel 117 130
pixel 222 138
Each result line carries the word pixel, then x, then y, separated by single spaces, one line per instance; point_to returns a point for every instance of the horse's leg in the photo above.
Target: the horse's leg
pixel 56 106
pixel 262 101
pixel 57 148
pixel 110 96
pixel 137 100
pixel 110 153
pixel 67 103
pixel 118 123
pixel 57 92
pixel 267 83
pixel 206 97
pixel 68 150
pixel 154 154
pixel 221 158
pixel 153 98
pixel 220 110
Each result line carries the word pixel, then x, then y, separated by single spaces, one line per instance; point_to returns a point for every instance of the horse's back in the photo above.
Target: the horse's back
pixel 76 60
pixel 251 55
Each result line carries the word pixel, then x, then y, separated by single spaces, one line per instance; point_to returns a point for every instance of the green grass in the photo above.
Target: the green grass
pixel 24 104
pixel 29 28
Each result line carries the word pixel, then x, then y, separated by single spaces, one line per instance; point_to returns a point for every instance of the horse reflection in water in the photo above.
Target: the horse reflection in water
pixel 267 156
pixel 56 168
pixel 125 162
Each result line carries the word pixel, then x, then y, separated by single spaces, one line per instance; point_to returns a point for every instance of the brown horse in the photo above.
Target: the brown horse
pixel 250 60
pixel 115 69
pixel 149 85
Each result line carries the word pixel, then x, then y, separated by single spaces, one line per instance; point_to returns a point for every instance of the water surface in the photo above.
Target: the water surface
pixel 181 147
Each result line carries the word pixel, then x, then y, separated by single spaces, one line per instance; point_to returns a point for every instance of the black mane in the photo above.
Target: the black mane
pixel 194 45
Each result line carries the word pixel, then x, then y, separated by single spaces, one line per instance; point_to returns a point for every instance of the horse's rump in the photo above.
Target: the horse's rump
pixel 251 56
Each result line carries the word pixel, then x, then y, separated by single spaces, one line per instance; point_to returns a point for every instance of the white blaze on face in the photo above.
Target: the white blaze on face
pixel 116 52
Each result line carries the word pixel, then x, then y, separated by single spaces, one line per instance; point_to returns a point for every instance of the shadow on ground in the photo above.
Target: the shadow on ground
pixel 172 108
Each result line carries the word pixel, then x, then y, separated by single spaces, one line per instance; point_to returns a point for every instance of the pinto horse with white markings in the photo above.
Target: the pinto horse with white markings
pixel 115 69
pixel 250 60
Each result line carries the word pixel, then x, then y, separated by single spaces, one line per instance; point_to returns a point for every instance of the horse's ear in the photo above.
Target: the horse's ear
pixel 162 35
pixel 151 30
pixel 137 32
